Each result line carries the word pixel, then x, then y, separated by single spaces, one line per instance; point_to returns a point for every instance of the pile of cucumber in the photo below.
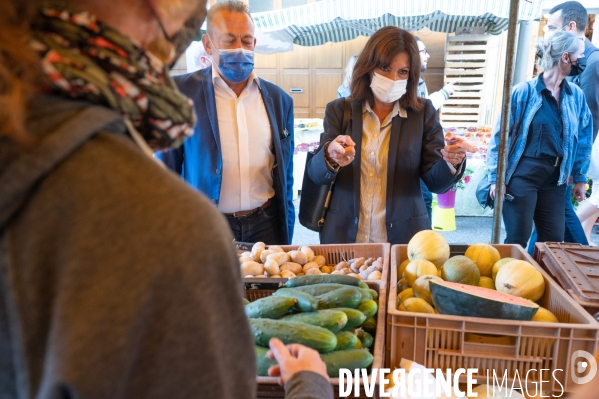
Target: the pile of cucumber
pixel 333 314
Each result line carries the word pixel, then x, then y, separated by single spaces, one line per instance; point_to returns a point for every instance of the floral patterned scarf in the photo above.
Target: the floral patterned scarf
pixel 86 59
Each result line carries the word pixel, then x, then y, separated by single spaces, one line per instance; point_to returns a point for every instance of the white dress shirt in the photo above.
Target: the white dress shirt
pixel 373 177
pixel 246 146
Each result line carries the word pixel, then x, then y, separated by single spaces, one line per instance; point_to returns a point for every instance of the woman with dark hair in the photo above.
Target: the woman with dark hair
pixel 393 139
pixel 117 280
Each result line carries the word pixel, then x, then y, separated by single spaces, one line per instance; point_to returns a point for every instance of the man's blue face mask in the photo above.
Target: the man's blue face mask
pixel 235 65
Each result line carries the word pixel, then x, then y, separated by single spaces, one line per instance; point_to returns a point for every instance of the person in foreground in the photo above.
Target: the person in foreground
pixel 550 136
pixel 117 280
pixel 392 140
pixel 241 155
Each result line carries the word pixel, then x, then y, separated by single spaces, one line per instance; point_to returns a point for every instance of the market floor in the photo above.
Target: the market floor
pixel 469 230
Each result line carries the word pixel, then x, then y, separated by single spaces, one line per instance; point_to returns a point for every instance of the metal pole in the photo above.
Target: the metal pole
pixel 505 119
pixel 524 39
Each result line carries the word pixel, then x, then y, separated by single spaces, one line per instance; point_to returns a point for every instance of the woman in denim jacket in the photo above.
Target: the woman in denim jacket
pixel 549 144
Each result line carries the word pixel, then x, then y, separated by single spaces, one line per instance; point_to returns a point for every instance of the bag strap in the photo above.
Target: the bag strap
pixel 344 124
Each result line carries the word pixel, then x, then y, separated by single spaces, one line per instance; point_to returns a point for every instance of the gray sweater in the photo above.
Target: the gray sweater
pixel 117 280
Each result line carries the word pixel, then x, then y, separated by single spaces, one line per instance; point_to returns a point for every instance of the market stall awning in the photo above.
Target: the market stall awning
pixel 340 20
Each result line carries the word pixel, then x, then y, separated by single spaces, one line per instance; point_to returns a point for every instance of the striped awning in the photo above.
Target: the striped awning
pixel 340 20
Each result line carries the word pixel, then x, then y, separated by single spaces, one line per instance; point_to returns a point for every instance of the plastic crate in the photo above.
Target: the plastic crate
pixel 452 342
pixel 268 387
pixel 575 267
pixel 333 253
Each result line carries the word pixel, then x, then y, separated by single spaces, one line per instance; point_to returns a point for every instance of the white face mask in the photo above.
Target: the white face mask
pixel 387 90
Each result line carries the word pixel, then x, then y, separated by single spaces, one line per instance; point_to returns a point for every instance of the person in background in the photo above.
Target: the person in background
pixel 117 279
pixel 344 89
pixel 550 135
pixel 438 98
pixel 392 140
pixel 241 155
pixel 588 210
pixel 571 16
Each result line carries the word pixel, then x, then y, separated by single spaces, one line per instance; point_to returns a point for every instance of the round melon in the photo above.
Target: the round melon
pixel 417 305
pixel 498 265
pixel 402 296
pixel 544 316
pixel 460 269
pixel 402 267
pixel 486 282
pixel 402 285
pixel 429 245
pixel 521 279
pixel 417 268
pixel 484 257
pixel 421 288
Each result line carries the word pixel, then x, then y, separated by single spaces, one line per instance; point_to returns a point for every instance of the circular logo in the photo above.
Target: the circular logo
pixel 580 367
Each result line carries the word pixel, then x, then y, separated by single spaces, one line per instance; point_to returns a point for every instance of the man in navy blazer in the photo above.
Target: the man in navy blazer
pixel 241 155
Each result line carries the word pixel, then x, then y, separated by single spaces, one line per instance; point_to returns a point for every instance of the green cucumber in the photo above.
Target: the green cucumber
pixel 355 318
pixel 271 307
pixel 314 337
pixel 362 284
pixel 346 340
pixel 374 294
pixel 349 328
pixel 365 294
pixel 365 338
pixel 332 320
pixel 245 301
pixel 305 302
pixel 348 359
pixel 346 297
pixel 369 324
pixel 263 363
pixel 319 289
pixel 322 279
pixel 369 308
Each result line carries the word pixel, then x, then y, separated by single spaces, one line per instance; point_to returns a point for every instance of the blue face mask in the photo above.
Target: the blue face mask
pixel 236 65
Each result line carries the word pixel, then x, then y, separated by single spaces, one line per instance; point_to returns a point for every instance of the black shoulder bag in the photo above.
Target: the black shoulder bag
pixel 315 198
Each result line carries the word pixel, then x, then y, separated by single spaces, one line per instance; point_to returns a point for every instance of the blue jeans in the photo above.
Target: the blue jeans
pixel 427 196
pixel 261 225
pixel 573 229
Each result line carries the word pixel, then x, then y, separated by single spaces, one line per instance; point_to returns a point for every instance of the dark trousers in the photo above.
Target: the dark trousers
pixel 427 196
pixel 261 225
pixel 538 198
pixel 573 229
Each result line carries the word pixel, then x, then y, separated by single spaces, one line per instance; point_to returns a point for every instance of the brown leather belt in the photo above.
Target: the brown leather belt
pixel 241 214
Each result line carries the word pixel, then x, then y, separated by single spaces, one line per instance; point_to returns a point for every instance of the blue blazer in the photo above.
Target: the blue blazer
pixel 199 159
pixel 414 153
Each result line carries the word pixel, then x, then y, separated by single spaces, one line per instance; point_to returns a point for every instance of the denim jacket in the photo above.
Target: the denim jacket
pixel 578 134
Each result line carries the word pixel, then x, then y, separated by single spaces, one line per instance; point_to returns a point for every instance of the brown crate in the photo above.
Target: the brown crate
pixel 443 341
pixel 268 386
pixel 333 253
pixel 576 269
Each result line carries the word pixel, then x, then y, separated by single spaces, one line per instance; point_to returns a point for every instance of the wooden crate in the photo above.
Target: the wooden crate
pixel 466 60
pixel 268 386
pixel 444 341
